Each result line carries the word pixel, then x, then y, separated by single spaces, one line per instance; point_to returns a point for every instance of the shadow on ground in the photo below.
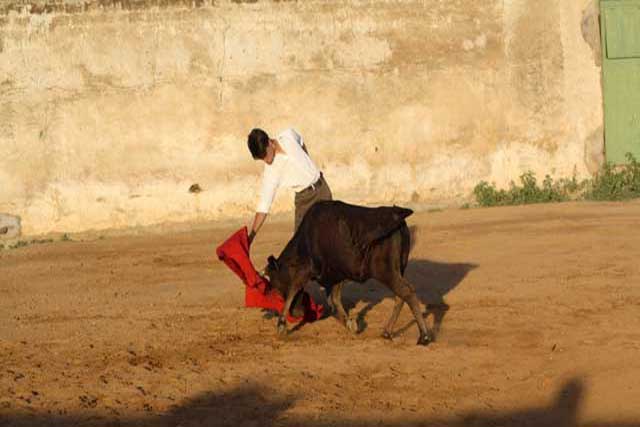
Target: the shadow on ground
pixel 432 281
pixel 253 405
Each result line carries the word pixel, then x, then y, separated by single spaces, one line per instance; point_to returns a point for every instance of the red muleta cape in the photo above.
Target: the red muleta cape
pixel 234 252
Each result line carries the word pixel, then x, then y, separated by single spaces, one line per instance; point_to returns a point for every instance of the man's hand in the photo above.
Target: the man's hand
pixel 257 223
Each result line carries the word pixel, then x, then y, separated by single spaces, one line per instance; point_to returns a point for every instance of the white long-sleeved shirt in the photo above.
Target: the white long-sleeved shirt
pixel 293 169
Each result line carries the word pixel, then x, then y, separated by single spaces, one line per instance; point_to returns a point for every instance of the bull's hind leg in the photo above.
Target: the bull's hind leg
pixel 341 314
pixel 388 330
pixel 406 291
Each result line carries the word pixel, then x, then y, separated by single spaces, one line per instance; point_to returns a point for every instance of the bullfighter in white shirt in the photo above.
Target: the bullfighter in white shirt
pixel 287 164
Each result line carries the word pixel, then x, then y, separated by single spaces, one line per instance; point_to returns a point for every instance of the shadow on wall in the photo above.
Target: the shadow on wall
pixel 253 405
pixel 9 226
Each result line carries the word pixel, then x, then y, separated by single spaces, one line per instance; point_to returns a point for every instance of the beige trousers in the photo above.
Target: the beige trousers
pixel 306 198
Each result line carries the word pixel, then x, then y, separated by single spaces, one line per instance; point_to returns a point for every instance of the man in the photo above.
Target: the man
pixel 287 164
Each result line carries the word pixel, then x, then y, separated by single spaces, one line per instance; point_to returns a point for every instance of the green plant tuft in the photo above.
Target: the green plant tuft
pixel 610 183
pixel 527 192
pixel 616 183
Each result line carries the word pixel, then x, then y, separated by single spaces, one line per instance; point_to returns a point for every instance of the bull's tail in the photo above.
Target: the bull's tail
pixel 407 236
pixel 390 220
pixel 401 213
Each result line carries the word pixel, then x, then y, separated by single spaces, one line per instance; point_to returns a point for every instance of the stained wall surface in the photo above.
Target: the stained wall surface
pixel 110 111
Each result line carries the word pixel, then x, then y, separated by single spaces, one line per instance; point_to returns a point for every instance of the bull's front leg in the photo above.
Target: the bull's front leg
pixel 282 320
pixel 341 314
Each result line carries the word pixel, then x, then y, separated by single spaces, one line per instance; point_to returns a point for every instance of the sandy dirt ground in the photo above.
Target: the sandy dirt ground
pixel 543 330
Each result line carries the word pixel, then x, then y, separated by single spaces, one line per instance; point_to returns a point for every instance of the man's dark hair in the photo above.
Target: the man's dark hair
pixel 258 141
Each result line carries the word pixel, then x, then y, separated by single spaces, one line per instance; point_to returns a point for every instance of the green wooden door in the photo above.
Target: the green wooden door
pixel 620 28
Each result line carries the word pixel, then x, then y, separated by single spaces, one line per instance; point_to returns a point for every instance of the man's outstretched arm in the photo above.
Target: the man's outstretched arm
pixel 258 220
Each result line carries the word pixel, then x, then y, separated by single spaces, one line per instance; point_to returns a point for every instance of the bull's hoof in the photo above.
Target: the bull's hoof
pixel 282 328
pixel 424 340
pixel 387 335
pixel 330 309
pixel 352 325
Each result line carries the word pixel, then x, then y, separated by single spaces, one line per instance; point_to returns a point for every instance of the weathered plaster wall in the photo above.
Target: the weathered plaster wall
pixel 109 112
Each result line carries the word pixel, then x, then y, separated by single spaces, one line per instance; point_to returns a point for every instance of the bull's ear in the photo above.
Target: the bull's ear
pixel 273 263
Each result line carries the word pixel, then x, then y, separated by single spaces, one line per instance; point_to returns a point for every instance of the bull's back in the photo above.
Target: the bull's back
pixel 383 220
pixel 343 238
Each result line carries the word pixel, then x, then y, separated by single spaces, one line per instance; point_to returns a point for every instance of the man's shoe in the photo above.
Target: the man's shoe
pixel 269 314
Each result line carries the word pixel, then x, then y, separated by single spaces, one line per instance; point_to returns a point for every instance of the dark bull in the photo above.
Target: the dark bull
pixel 337 242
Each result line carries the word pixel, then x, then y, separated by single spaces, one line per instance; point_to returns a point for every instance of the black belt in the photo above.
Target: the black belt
pixel 313 186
